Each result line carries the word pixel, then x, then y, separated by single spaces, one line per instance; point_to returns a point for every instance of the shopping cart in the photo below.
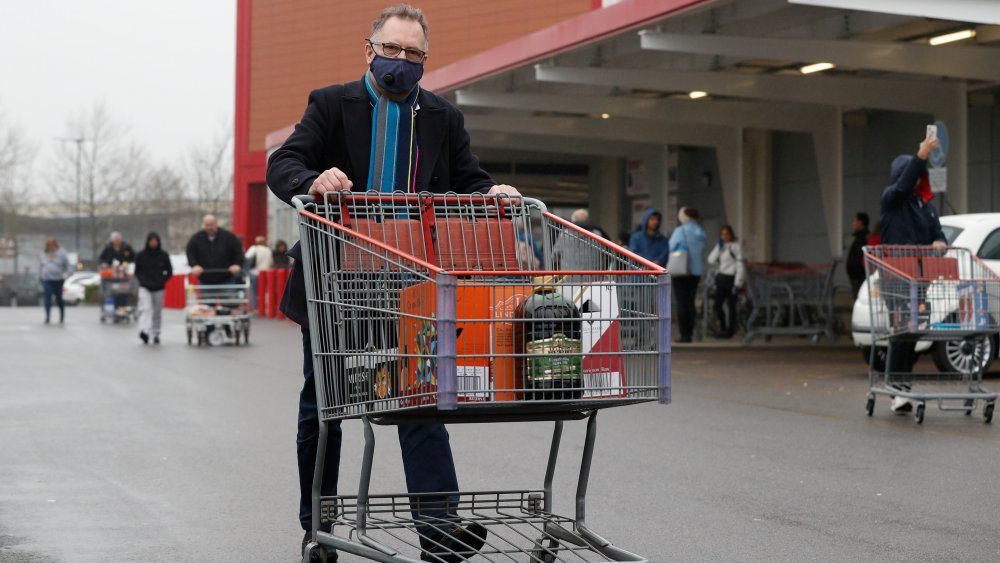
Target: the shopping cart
pixel 791 300
pixel 427 308
pixel 118 295
pixel 217 314
pixel 921 293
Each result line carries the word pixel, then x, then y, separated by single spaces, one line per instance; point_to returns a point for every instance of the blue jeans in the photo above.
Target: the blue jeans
pixel 427 459
pixel 50 289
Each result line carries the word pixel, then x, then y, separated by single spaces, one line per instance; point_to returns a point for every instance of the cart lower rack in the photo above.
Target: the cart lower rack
pixel 923 293
pixel 430 308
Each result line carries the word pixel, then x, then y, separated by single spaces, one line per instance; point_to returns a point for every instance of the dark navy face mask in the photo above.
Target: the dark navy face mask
pixel 396 76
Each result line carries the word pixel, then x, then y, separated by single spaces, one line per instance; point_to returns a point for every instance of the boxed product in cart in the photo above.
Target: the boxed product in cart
pixel 973 305
pixel 484 343
pixel 600 335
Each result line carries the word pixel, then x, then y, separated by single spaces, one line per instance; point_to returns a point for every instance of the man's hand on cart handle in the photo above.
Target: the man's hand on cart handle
pixel 939 245
pixel 503 189
pixel 234 269
pixel 197 271
pixel 333 180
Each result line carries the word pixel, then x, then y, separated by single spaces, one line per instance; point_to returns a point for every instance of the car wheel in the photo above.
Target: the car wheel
pixel 963 356
pixel 880 351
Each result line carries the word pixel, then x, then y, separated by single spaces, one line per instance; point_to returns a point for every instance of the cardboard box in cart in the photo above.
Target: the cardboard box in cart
pixel 973 306
pixel 481 343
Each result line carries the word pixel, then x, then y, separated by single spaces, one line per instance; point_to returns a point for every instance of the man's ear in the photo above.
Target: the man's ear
pixel 369 54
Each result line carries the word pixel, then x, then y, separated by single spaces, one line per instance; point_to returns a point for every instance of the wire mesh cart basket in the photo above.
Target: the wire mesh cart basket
pixel 119 294
pixel 432 308
pixel 791 301
pixel 217 314
pixel 922 293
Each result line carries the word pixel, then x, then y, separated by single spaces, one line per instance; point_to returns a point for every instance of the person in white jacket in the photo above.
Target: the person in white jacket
pixel 258 257
pixel 728 256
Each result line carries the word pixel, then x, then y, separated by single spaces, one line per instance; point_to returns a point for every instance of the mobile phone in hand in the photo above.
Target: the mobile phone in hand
pixel 932 131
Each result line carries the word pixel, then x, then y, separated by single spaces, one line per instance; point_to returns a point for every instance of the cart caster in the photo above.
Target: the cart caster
pixel 316 553
pixel 970 404
pixel 189 337
pixel 215 338
pixel 870 405
pixel 201 338
pixel 814 341
pixel 246 336
pixel 919 413
pixel 988 413
pixel 237 338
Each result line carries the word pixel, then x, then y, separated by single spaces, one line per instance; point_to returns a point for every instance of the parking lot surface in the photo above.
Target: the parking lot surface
pixel 115 451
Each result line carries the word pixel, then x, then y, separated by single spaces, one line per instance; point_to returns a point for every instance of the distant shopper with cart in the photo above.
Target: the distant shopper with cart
pixel 53 269
pixel 727 254
pixel 153 270
pixel 216 250
pixel 908 218
pixel 687 240
pixel 258 257
pixel 381 133
pixel 117 253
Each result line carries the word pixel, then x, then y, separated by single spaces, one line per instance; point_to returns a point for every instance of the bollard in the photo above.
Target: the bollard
pixel 263 278
pixel 281 278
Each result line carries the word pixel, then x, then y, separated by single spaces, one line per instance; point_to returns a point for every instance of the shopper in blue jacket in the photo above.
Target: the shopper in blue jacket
pixel 687 236
pixel 647 241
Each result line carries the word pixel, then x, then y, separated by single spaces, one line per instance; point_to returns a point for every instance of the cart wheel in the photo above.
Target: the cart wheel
pixel 747 340
pixel 201 338
pixel 189 336
pixel 919 414
pixel 237 338
pixel 870 405
pixel 988 413
pixel 246 336
pixel 814 340
pixel 544 554
pixel 970 404
pixel 767 338
pixel 313 552
pixel 215 338
pixel 102 319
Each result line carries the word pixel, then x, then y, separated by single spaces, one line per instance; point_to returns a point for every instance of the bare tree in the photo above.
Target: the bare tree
pixel 111 170
pixel 209 171
pixel 17 155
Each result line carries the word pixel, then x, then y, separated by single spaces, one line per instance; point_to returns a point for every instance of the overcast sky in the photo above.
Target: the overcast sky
pixel 165 69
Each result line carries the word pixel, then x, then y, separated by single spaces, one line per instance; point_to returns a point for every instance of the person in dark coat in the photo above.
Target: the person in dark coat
pixel 855 263
pixel 216 249
pixel 153 270
pixel 909 219
pixel 280 255
pixel 333 148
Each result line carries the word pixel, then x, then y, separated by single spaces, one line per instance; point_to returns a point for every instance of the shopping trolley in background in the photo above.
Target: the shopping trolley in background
pixel 216 314
pixel 791 300
pixel 427 308
pixel 921 293
pixel 119 294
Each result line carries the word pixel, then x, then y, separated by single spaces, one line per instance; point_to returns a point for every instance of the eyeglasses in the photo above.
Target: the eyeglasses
pixel 392 51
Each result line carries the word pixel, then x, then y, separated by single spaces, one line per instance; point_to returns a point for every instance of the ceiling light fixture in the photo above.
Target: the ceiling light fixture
pixel 818 67
pixel 952 37
pixel 605 115
pixel 697 94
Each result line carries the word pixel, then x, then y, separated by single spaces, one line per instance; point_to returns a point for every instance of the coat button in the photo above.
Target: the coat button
pixel 295 182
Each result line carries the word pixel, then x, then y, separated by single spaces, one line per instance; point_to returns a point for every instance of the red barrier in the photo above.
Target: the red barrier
pixel 272 294
pixel 173 293
pixel 262 276
pixel 281 277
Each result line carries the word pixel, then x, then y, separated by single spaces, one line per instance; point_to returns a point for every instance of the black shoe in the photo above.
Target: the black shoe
pixel 455 545
pixel 144 337
pixel 156 340
pixel 331 556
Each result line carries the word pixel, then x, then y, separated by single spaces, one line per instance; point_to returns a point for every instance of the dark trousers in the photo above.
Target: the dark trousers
pixel 50 289
pixel 427 460
pixel 686 288
pixel 725 303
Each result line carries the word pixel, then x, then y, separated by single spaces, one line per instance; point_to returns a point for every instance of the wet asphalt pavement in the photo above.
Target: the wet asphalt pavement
pixel 115 451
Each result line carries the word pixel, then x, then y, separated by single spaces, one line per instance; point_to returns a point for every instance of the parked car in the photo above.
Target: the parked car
pixel 75 286
pixel 20 290
pixel 977 232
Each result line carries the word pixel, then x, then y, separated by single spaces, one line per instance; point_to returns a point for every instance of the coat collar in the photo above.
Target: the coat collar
pixel 357 111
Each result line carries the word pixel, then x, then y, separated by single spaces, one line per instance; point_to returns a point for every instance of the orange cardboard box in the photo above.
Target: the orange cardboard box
pixel 482 336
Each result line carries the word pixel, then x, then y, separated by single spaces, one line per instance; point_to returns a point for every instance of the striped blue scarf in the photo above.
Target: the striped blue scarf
pixel 393 161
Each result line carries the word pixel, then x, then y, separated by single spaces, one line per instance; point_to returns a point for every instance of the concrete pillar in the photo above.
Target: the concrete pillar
pixel 828 141
pixel 729 153
pixel 607 194
pixel 758 210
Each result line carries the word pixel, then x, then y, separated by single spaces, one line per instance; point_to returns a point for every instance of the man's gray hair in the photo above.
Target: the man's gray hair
pixel 114 235
pixel 580 216
pixel 404 11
